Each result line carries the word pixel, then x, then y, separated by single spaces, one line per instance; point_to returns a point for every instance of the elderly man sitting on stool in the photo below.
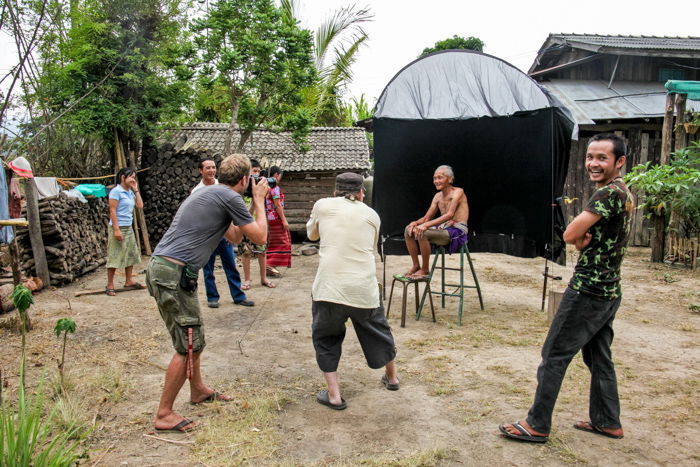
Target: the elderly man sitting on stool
pixel 450 228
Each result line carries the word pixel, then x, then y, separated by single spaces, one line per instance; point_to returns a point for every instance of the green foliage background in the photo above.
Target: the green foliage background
pixel 455 42
pixel 671 189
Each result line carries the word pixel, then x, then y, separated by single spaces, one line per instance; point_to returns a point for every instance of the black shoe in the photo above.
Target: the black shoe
pixel 245 303
pixel 213 304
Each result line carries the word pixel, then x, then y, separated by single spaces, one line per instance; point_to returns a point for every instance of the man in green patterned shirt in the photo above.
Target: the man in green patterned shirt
pixel 587 310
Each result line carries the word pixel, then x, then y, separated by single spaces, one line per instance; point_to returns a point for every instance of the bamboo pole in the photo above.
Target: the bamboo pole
pixel 139 218
pixel 20 222
pixel 135 218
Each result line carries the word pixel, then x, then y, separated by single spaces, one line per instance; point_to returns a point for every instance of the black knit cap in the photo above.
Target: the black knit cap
pixel 348 182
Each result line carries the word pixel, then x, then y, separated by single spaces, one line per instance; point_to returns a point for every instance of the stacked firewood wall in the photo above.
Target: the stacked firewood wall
pixel 172 175
pixel 74 234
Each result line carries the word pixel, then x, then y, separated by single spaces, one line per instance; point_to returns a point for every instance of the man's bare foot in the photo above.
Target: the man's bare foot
pixel 514 431
pixel 171 421
pixel 411 271
pixel 616 433
pixel 418 274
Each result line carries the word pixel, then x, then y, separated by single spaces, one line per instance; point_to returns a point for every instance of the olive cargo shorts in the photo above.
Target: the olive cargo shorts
pixel 179 309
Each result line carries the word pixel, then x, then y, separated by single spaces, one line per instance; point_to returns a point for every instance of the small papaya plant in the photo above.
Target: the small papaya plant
pixel 65 326
pixel 22 299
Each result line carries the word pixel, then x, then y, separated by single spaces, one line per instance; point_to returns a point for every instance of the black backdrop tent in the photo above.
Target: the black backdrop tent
pixel 507 140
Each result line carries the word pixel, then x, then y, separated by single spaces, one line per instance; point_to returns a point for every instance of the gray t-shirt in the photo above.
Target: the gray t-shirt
pixel 200 223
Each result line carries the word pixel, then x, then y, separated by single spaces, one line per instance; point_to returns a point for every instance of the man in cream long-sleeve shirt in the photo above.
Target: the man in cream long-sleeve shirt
pixel 346 286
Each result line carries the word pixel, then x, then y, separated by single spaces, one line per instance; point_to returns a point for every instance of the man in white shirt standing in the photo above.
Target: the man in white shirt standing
pixel 346 287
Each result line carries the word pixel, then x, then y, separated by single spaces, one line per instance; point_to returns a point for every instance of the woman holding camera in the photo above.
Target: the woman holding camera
pixel 122 250
pixel 279 245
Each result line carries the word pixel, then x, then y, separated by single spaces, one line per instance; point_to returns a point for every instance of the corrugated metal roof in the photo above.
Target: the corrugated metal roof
pixel 330 148
pixel 632 42
pixel 591 100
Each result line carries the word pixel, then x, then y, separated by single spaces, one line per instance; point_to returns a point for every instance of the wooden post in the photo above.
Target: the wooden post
pixel 139 218
pixel 681 135
pixel 657 242
pixel 14 259
pixel 42 267
pixel 553 304
pixel 667 131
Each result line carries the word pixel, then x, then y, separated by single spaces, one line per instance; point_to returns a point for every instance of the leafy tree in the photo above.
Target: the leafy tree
pixel 337 42
pixel 455 42
pixel 258 59
pixel 24 25
pixel 671 189
pixel 356 110
pixel 110 70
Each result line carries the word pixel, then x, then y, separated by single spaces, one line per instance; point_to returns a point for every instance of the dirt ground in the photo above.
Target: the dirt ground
pixel 458 383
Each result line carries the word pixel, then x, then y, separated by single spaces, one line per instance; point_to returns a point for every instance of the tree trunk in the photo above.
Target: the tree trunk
pixel 245 136
pixel 235 106
pixel 657 242
pixel 667 131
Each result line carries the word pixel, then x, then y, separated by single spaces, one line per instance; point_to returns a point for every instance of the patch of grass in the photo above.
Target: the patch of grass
pixel 627 372
pixel 476 410
pixel 668 277
pixel 694 307
pixel 513 389
pixel 686 327
pixel 425 458
pixel 438 362
pixel 68 385
pixel 682 399
pixel 11 324
pixel 69 412
pixel 453 341
pixel 243 431
pixel 111 383
pixel 557 445
pixel 444 388
pixel 501 369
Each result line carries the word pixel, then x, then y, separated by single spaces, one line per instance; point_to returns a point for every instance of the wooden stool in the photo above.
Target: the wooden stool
pixel 405 281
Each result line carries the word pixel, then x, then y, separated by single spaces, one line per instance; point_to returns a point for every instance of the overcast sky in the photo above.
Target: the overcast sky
pixel 511 30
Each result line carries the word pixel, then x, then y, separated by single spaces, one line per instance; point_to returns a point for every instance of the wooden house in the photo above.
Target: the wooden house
pixel 307 176
pixel 615 84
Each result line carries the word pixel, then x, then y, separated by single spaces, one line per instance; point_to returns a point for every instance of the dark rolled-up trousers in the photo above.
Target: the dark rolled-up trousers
pixel 371 327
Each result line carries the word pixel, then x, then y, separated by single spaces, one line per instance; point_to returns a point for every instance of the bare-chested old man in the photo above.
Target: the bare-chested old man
pixel 450 228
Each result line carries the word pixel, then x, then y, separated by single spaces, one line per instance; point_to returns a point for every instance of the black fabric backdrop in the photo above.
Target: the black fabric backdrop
pixel 511 168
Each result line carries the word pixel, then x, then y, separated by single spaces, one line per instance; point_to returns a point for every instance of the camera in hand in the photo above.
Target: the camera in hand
pixel 255 179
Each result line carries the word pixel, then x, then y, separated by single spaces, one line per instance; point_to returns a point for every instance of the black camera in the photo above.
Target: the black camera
pixel 255 179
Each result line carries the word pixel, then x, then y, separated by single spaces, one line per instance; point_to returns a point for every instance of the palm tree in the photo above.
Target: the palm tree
pixel 336 45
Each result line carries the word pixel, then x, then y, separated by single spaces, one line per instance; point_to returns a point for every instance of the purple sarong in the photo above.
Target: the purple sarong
pixel 458 237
